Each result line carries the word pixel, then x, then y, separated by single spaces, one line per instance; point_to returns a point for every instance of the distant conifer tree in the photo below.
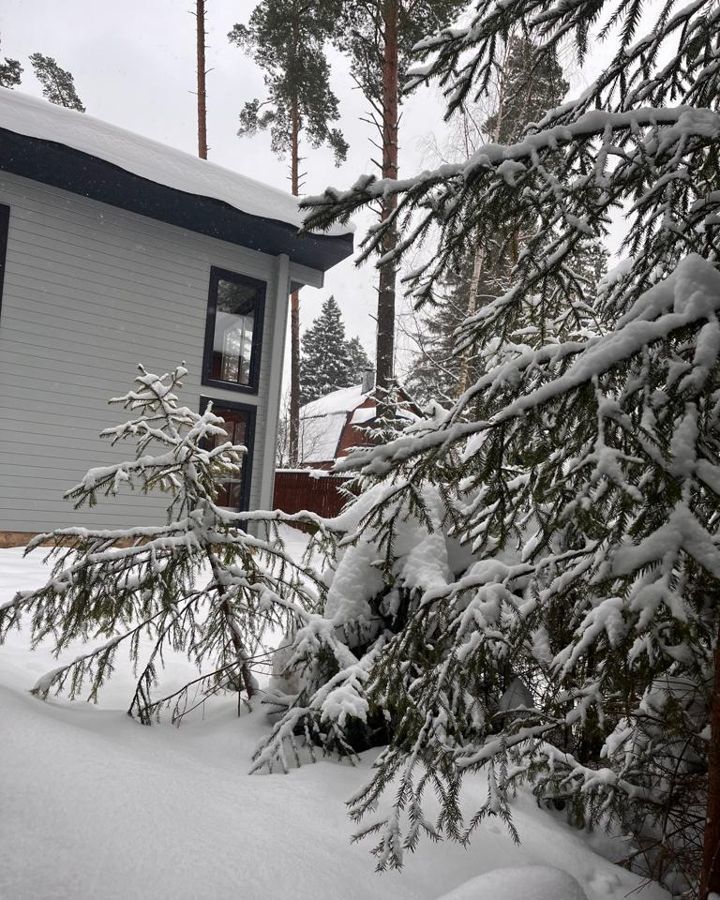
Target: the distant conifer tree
pixel 358 360
pixel 446 363
pixel 10 72
pixel 58 85
pixel 329 361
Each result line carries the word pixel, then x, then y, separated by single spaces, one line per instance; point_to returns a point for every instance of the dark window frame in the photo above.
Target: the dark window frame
pixel 217 275
pixel 4 230
pixel 251 411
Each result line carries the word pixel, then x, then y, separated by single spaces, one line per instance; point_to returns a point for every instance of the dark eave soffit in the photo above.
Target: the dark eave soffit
pixel 87 175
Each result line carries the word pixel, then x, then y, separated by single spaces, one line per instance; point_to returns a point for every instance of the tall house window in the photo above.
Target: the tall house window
pixel 233 335
pixel 240 427
pixel 4 223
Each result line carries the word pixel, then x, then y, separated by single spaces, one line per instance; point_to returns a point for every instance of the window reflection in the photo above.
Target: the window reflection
pixel 237 425
pixel 237 305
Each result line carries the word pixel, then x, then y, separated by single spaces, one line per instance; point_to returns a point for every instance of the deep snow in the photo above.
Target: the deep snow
pixel 93 805
pixel 524 883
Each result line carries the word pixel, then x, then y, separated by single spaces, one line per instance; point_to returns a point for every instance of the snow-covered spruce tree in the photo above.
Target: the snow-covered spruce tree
pixel 319 685
pixel 200 583
pixel 579 469
pixel 358 360
pixel 327 362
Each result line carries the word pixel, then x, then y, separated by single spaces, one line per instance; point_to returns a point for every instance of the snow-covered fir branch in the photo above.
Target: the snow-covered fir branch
pixel 528 578
pixel 201 582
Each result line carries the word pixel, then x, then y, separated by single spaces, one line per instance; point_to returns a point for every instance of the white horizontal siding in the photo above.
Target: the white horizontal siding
pixel 91 291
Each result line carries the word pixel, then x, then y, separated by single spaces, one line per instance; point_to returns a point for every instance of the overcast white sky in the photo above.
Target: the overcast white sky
pixel 134 66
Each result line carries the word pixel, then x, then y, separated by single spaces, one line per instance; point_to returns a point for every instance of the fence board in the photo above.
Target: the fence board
pixel 313 490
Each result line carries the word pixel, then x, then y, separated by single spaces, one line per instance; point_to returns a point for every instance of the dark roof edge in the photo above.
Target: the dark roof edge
pixel 90 176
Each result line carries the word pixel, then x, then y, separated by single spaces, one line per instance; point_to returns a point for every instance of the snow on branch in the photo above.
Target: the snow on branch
pixel 685 298
pixel 200 582
pixel 562 183
pixel 464 59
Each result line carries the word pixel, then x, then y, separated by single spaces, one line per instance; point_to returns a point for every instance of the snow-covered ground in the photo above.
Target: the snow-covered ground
pixel 93 805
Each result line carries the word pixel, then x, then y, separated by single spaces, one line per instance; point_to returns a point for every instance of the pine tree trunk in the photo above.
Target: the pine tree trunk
pixel 710 874
pixel 294 302
pixel 201 95
pixel 386 290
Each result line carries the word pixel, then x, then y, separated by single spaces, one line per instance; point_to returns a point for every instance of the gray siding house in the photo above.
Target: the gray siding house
pixel 114 251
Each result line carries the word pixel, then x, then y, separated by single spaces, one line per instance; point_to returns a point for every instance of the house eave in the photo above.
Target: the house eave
pixel 89 176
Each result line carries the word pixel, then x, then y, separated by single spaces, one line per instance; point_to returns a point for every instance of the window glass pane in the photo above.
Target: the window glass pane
pixel 230 495
pixel 235 317
pixel 237 421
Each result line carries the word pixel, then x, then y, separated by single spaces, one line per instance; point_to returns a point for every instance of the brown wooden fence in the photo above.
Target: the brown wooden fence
pixel 312 489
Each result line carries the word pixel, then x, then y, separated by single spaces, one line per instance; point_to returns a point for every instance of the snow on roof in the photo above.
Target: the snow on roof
pixel 364 415
pixel 319 437
pixel 322 422
pixel 343 400
pixel 148 159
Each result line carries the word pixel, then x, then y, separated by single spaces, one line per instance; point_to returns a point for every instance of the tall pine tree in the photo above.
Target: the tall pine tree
pixel 201 77
pixel 379 36
pixel 58 85
pixel 287 38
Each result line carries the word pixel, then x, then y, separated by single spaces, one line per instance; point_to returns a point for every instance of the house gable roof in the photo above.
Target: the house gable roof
pixel 86 156
pixel 322 422
pixel 332 424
